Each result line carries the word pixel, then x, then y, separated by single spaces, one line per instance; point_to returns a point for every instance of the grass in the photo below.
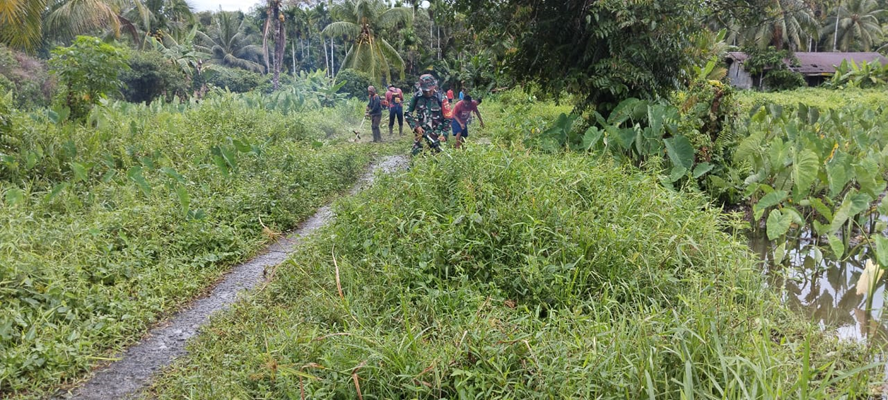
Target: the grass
pixel 498 274
pixel 109 227
pixel 817 97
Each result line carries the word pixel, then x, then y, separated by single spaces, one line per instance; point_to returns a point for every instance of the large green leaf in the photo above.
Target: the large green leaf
pixel 680 151
pixel 881 250
pixel 624 137
pixel 702 169
pixel 135 174
pixel 805 165
pixel 677 173
pixel 778 224
pixel 821 208
pixel 14 196
pixel 883 206
pixel 837 173
pixel 80 171
pixel 592 137
pixel 184 198
pixel 769 200
pixel 868 175
pixel 837 246
pixel 853 203
pixel 221 165
pixel 779 155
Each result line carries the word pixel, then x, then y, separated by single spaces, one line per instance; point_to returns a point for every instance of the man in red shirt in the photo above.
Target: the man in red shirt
pixel 461 114
pixel 395 99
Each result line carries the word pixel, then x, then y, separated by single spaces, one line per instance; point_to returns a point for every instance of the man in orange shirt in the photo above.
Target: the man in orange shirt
pixel 461 114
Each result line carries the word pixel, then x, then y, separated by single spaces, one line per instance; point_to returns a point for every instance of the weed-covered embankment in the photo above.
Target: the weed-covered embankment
pixel 501 275
pixel 110 225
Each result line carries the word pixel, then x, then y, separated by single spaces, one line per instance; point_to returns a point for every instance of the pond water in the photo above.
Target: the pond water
pixel 826 290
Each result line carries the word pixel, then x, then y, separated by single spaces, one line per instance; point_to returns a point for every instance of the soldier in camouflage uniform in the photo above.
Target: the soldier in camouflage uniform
pixel 426 117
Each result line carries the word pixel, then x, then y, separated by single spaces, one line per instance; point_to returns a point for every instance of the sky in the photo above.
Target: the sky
pixel 227 5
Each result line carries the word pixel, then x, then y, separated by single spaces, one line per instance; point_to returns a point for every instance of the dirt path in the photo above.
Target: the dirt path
pixel 126 377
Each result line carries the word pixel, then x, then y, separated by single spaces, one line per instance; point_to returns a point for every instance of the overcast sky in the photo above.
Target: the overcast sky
pixel 227 5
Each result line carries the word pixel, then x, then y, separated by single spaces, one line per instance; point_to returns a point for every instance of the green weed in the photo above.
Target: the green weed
pixel 511 275
pixel 108 227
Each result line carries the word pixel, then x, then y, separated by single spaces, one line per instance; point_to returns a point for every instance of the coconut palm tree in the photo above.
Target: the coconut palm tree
pixel 369 53
pixel 229 45
pixel 855 24
pixel 275 25
pixel 790 23
pixel 20 23
pixel 161 19
pixel 297 25
pixel 69 18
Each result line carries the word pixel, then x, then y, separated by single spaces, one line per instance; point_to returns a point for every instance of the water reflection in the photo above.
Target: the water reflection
pixel 826 290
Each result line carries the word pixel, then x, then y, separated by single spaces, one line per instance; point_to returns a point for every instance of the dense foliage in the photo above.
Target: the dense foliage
pixel 772 67
pixel 109 227
pixel 579 257
pixel 26 77
pixel 151 76
pixel 521 276
pixel 604 51
pixel 88 70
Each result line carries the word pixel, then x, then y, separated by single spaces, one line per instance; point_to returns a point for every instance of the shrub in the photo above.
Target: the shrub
pixel 773 66
pixel 120 221
pixel 151 76
pixel 236 80
pixel 356 83
pixel 89 70
pixel 27 77
pixel 520 276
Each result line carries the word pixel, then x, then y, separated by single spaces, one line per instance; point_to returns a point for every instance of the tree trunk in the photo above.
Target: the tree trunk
pixel 265 36
pixel 326 57
pixel 280 46
pixel 294 56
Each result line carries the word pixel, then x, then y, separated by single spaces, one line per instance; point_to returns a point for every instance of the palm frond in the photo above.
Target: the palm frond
pixel 393 16
pixel 20 23
pixel 342 28
pixel 391 55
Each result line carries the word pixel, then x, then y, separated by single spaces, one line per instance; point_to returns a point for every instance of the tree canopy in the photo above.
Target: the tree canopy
pixel 601 51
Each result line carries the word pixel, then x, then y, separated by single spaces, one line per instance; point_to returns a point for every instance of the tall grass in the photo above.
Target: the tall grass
pixel 107 227
pixel 503 275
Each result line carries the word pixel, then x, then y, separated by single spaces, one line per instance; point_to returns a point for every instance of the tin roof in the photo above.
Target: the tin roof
pixel 821 63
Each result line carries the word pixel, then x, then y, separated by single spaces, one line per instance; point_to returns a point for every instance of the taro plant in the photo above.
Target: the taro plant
pixel 817 171
pixel 851 75
pixel 638 130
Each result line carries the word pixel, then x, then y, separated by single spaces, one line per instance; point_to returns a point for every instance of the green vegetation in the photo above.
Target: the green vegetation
pixel 88 72
pixel 821 98
pixel 582 254
pixel 511 275
pixel 26 78
pixel 110 226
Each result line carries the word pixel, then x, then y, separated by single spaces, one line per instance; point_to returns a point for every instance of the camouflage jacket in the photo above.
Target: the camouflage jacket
pixel 427 113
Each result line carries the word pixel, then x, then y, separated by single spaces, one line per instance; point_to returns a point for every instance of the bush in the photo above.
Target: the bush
pixel 236 80
pixel 89 70
pixel 772 64
pixel 27 77
pixel 356 83
pixel 783 79
pixel 522 276
pixel 151 76
pixel 119 222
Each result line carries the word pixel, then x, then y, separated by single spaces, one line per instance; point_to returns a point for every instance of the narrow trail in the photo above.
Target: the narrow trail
pixel 135 367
